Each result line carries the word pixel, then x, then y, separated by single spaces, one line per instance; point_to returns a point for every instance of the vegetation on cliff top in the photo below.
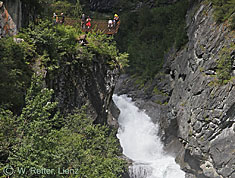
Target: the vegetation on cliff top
pixel 49 45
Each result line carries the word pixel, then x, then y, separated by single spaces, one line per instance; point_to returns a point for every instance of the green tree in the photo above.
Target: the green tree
pixel 34 125
pixel 15 73
pixel 43 9
pixel 7 135
pixel 70 9
pixel 148 33
pixel 43 139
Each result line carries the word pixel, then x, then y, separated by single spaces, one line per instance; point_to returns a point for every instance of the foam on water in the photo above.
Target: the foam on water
pixel 139 140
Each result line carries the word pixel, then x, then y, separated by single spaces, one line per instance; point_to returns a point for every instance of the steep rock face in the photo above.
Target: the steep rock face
pixel 79 84
pixel 196 115
pixel 14 8
pixel 204 111
pixel 7 25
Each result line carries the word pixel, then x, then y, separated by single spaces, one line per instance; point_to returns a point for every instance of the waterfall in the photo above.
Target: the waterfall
pixel 140 142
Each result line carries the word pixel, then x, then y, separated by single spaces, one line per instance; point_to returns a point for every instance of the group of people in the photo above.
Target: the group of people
pixel 56 18
pixel 113 23
pixel 85 22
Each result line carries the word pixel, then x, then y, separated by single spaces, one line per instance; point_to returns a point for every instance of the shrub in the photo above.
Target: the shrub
pixel 224 65
pixel 223 9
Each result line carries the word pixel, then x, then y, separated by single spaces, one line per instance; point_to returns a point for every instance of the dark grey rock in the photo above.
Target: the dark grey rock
pixel 91 85
pixel 222 148
pixel 231 112
pixel 198 126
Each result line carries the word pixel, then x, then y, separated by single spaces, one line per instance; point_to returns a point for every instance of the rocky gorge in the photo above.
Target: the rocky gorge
pixel 196 115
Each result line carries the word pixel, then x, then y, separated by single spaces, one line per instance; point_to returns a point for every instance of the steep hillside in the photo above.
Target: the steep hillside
pixel 202 100
pixel 193 97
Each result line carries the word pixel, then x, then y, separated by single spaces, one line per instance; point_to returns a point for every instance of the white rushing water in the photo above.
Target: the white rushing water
pixel 139 140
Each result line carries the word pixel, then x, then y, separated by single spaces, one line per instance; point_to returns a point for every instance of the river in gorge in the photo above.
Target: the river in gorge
pixel 139 139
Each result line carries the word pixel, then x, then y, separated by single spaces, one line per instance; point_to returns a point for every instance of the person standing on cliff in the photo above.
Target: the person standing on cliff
pixel 55 18
pixel 115 19
pixel 83 21
pixel 110 24
pixel 62 18
pixel 88 22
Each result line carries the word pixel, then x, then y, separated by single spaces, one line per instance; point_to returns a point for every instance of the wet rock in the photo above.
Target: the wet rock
pixel 113 114
pixel 198 126
pixel 209 170
pixel 222 151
